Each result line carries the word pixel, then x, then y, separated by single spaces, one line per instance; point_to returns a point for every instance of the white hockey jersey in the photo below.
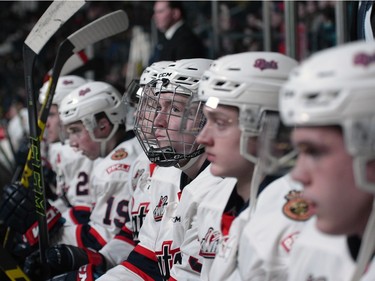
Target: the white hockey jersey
pixel 164 192
pixel 118 249
pixel 159 246
pixel 186 229
pixel 257 247
pixel 73 171
pixel 268 237
pixel 111 193
pixel 318 256
pixel 209 235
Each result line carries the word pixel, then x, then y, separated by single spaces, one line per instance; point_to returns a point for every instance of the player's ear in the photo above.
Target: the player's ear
pixel 103 127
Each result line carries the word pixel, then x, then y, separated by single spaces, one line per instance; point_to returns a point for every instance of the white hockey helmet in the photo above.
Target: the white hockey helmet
pixel 151 72
pixel 135 88
pixel 336 87
pixel 65 84
pixel 181 77
pixel 83 103
pixel 249 81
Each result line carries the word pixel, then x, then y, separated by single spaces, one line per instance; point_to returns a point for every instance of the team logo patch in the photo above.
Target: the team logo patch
pixel 262 64
pixel 119 154
pixel 83 92
pixel 137 177
pixel 364 59
pixel 296 208
pixel 160 208
pixel 118 167
pixel 210 243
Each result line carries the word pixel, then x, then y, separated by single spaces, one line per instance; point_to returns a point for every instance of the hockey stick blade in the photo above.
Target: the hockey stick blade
pixel 51 21
pixel 104 27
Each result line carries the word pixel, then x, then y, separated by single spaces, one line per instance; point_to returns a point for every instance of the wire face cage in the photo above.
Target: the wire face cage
pixel 158 123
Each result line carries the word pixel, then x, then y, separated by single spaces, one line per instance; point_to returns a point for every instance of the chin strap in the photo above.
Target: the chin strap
pixel 367 246
pixel 167 157
pixel 254 187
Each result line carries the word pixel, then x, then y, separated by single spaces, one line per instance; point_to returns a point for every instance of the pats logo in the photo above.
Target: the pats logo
pixel 160 208
pixel 210 243
pixel 119 154
pixel 84 92
pixel 67 82
pixel 137 177
pixel 262 64
pixel 296 207
pixel 364 59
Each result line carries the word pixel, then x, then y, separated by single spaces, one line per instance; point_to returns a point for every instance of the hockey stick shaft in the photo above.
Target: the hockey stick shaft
pixel 100 29
pixel 54 17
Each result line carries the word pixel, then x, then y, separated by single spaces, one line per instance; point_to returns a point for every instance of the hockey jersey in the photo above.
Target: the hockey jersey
pixel 157 252
pixel 73 171
pixel 110 195
pixel 319 256
pixel 185 231
pixel 268 237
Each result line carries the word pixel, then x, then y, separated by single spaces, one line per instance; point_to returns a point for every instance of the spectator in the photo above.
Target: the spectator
pixel 177 40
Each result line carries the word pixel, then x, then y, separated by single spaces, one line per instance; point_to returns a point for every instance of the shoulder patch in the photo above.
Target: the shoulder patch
pixel 119 154
pixel 296 207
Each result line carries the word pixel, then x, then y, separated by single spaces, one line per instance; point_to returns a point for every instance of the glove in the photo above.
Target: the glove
pixel 62 259
pixel 65 258
pixel 87 272
pixel 17 207
pixel 17 210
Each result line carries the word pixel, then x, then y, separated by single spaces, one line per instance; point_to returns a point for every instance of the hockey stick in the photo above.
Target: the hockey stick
pixel 10 267
pixel 99 29
pixel 74 62
pixel 102 28
pixel 52 19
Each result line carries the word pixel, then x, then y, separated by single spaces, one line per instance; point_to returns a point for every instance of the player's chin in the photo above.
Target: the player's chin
pixel 217 170
pixel 326 225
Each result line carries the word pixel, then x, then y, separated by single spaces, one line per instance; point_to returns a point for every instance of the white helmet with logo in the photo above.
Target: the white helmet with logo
pixel 65 84
pixel 336 87
pixel 178 78
pixel 183 76
pixel 83 103
pixel 151 72
pixel 249 81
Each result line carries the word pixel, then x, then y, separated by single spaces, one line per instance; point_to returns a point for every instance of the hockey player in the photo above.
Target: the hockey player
pixel 159 116
pixel 69 258
pixel 94 120
pixel 330 102
pixel 72 169
pixel 239 99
